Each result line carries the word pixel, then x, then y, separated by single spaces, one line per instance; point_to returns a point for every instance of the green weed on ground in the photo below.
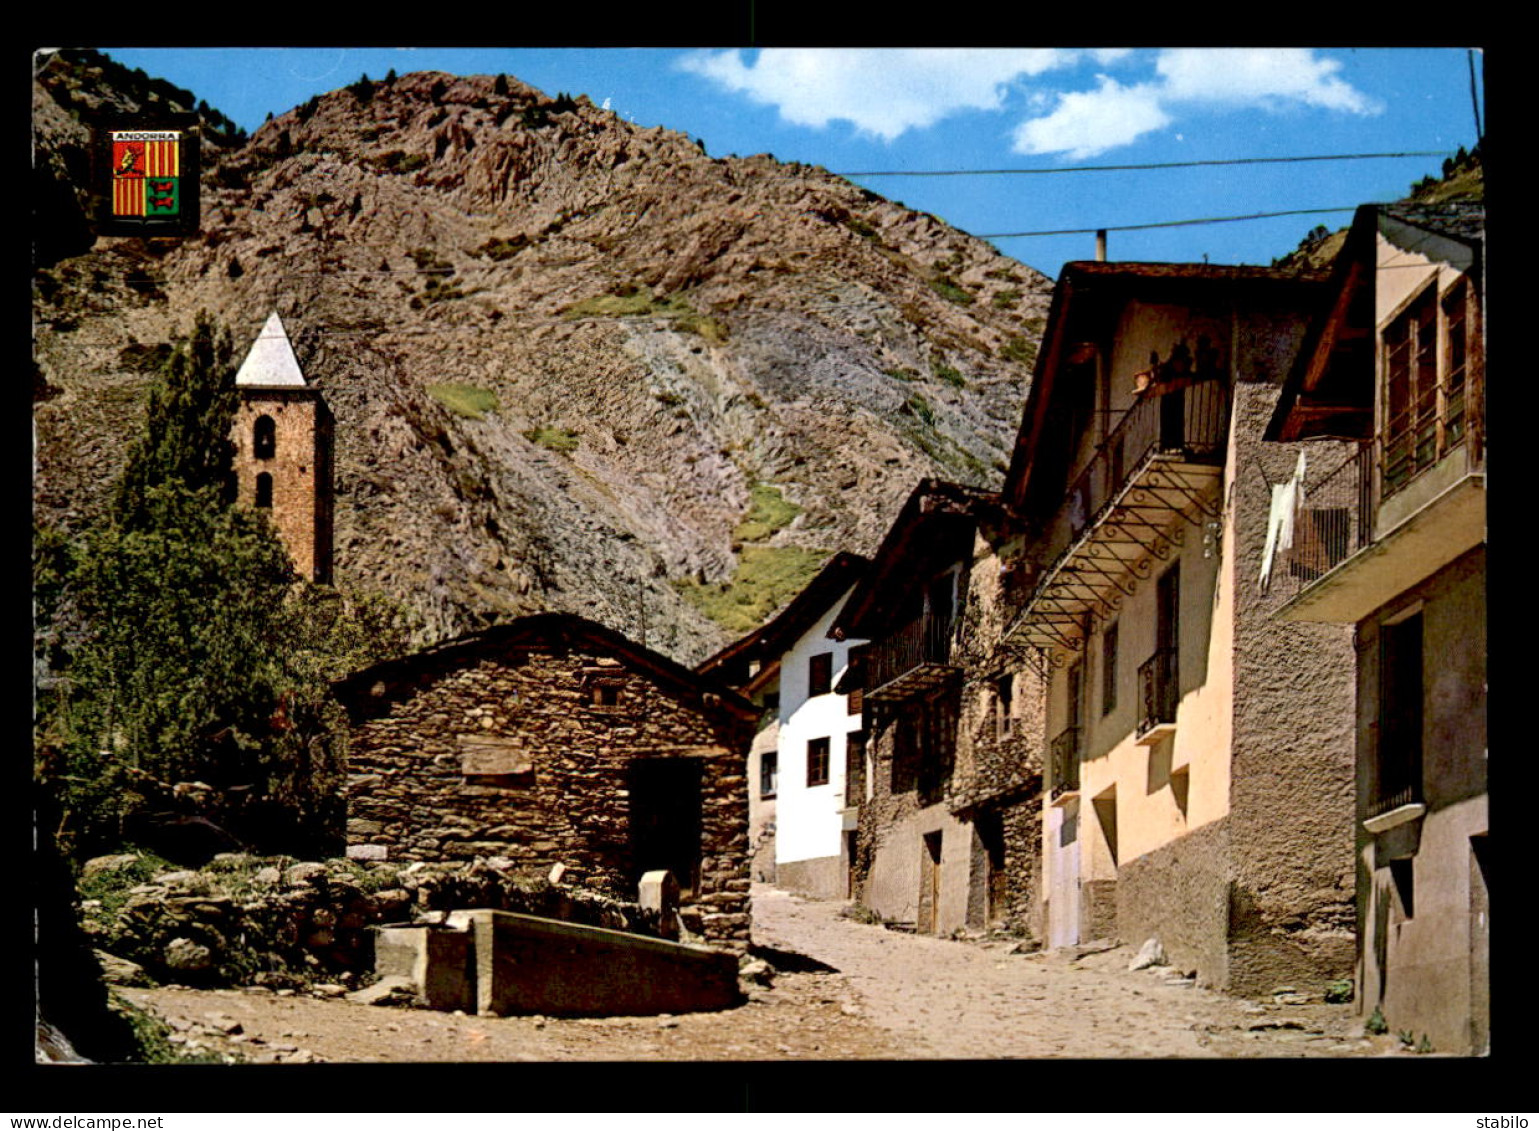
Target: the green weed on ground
pixel 766 578
pixel 465 400
pixel 111 887
pixel 152 1037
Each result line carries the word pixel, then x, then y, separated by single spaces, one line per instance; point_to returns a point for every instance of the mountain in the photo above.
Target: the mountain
pixel 575 364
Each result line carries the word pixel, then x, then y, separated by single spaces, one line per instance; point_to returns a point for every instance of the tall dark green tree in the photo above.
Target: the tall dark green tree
pixel 199 657
pixel 186 437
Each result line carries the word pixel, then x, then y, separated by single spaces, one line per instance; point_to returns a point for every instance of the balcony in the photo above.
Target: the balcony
pixel 1065 763
pixel 1391 809
pixel 1158 693
pixel 1394 512
pixel 1156 470
pixel 910 661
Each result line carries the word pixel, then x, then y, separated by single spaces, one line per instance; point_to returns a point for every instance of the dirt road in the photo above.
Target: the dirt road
pixel 884 995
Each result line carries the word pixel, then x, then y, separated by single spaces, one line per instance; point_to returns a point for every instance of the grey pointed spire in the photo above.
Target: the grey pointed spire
pixel 271 360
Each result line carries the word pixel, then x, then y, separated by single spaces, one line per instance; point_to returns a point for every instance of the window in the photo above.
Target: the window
pixel 854 767
pixel 264 490
pixel 820 673
pixel 1455 318
pixel 604 695
pixel 264 438
pixel 1004 704
pixel 1410 391
pixel 1427 383
pixel 1109 670
pixel 769 772
pixel 1400 716
pixel 1075 694
pixel 817 761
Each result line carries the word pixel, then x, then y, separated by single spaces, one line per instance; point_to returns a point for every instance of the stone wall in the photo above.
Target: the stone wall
pixel 244 920
pixel 530 752
pixel 992 773
pixel 1292 778
pixel 1180 894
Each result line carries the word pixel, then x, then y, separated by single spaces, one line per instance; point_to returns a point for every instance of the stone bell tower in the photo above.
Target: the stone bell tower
pixel 283 442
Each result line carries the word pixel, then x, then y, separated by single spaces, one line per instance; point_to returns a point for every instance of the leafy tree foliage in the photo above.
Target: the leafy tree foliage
pixel 196 676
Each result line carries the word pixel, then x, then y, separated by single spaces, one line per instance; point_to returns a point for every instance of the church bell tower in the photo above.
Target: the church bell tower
pixel 283 444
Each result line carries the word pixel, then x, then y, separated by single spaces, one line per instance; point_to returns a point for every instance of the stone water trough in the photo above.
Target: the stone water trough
pixel 498 962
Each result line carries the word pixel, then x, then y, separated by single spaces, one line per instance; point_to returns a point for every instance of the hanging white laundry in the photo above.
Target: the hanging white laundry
pixel 1287 498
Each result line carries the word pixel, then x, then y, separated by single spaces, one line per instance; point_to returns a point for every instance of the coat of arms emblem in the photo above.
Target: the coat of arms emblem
pixel 147 182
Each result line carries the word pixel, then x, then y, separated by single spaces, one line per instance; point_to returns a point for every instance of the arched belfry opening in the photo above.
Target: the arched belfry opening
pixel 283 449
pixel 264 437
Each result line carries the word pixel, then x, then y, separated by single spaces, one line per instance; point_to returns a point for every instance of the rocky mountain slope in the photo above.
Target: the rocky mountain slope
pixel 575 364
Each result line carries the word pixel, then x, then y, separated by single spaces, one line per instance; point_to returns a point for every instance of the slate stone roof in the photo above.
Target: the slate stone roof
pixel 1462 219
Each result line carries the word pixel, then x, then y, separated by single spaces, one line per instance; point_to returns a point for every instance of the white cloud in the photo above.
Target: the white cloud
pixel 1086 123
pixel 1259 77
pixel 885 92
pixel 1106 56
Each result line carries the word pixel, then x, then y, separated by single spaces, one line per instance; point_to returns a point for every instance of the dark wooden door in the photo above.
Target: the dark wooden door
pixel 665 819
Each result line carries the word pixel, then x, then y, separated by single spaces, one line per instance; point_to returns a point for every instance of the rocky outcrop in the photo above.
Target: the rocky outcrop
pixel 562 351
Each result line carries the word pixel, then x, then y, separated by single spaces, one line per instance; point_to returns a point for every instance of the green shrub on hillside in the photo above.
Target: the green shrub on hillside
pixel 555 439
pixel 465 400
pixel 945 286
pixel 1019 349
pixel 946 373
pixel 767 513
pixel 767 577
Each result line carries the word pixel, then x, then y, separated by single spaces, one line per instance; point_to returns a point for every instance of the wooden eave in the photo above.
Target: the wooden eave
pixel 931 530
pixel 1302 412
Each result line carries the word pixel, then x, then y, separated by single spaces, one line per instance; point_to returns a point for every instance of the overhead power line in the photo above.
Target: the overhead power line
pixel 1163 223
pixel 1156 165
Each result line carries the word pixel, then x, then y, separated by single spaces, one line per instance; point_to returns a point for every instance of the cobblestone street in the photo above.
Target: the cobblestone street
pixel 939 998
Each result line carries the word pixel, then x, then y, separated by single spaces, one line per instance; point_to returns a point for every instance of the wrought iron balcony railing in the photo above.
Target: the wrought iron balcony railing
pixel 1065 757
pixel 1157 691
pixel 1386 802
pixel 1190 423
pixel 913 658
pixel 1158 467
pixel 1334 521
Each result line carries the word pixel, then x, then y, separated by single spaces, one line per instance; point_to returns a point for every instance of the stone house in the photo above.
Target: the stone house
pixel 553 740
pixel 282 434
pixel 806 769
pixel 948 834
pixel 1388 536
pixel 1199 777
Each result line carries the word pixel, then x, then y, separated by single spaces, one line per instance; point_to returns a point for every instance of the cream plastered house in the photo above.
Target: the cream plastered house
pixel 1389 536
pixel 1199 778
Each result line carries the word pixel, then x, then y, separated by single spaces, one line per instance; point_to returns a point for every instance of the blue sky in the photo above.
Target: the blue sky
pixel 910 109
